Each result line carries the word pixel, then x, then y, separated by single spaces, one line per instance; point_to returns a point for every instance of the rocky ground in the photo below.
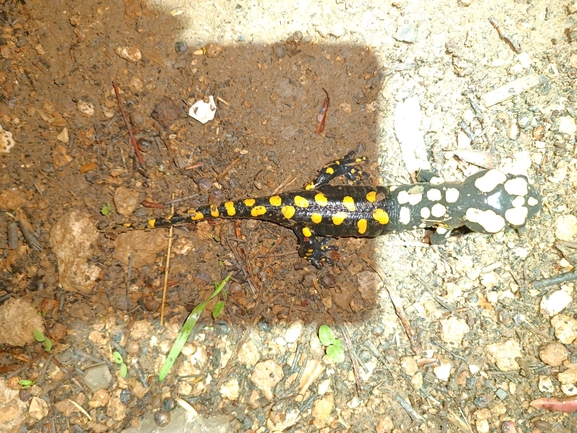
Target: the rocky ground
pixel 467 337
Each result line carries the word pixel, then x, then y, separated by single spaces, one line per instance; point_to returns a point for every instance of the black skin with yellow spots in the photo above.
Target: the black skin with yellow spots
pixel 325 211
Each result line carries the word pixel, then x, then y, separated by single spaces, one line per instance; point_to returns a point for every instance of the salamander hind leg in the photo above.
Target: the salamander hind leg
pixel 347 167
pixel 314 249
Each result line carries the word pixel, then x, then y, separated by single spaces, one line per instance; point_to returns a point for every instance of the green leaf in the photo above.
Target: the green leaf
pixel 39 336
pixel 47 345
pixel 25 383
pixel 335 353
pixel 117 357
pixel 186 330
pixel 218 307
pixel 326 335
pixel 106 210
pixel 123 370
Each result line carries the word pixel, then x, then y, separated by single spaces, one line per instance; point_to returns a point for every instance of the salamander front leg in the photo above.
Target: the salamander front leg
pixel 347 167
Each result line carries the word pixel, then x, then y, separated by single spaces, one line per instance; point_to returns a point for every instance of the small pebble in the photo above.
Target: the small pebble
pixel 566 227
pixel 180 47
pixel 546 384
pixel 294 331
pixel 565 327
pixel 554 354
pixel 132 54
pixel 504 354
pixel 555 302
pixel 567 125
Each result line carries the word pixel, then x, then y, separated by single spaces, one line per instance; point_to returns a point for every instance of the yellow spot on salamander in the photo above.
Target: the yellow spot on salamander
pixel 214 211
pixel 275 200
pixel 372 196
pixel 338 218
pixel 197 216
pixel 258 211
pixel 362 226
pixel 381 216
pixel 309 186
pixel 316 218
pixel 349 203
pixel 230 210
pixel 249 202
pixel 288 211
pixel 151 223
pixel 321 199
pixel 300 201
pixel 330 170
pixel 307 232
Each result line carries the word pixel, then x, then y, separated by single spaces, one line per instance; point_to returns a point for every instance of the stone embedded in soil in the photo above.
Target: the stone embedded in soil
pixel 230 389
pixel 554 354
pixel 100 398
pixel 265 376
pixel 504 354
pixel 38 408
pixel 12 409
pixel 566 227
pixel 18 320
pixel 12 199
pixel 98 377
pixel 294 331
pixel 312 371
pixel 409 365
pixel 565 327
pixel 60 157
pixel 322 409
pixel 443 371
pixel 73 239
pixel 126 200
pixel 567 125
pixel 453 330
pixel 6 141
pixel 568 376
pixel 132 54
pixel 144 246
pixel 555 302
pixel 545 384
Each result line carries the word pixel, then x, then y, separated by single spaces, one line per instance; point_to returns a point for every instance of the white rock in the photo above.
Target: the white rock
pixel 265 376
pixel 248 354
pixel 230 389
pixel 203 111
pixel 569 389
pixel 86 108
pixel 132 54
pixel 443 371
pixel 453 330
pixel 294 331
pixel 555 302
pixel 546 384
pixel 409 365
pixel 566 227
pixel 524 60
pixel 565 327
pixel 567 125
pixel 504 354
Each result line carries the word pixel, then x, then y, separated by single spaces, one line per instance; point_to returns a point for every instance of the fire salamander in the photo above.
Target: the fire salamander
pixel 487 202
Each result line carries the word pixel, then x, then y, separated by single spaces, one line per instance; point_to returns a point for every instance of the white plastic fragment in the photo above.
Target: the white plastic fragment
pixel 6 141
pixel 203 111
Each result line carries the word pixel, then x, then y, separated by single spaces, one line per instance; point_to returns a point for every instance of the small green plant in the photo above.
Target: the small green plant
pixel 106 210
pixel 41 338
pixel 25 383
pixel 334 348
pixel 118 360
pixel 188 326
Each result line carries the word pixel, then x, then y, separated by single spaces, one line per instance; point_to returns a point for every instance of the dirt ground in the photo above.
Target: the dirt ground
pixel 459 338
